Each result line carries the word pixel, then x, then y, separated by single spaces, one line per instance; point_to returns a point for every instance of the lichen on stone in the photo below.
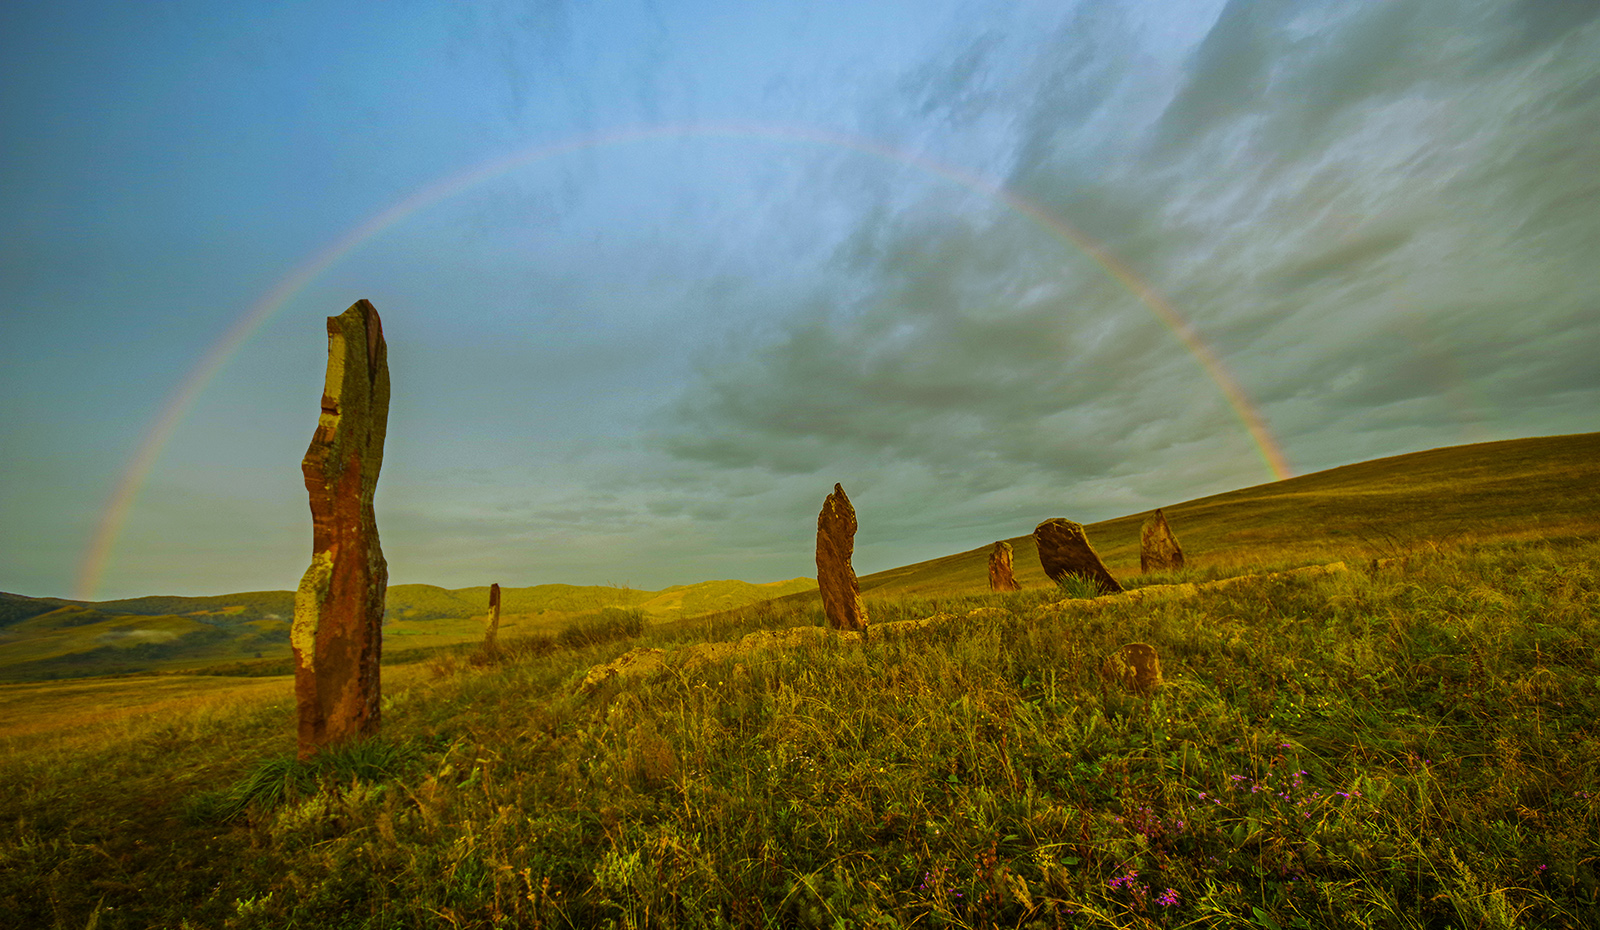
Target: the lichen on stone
pixel 308 600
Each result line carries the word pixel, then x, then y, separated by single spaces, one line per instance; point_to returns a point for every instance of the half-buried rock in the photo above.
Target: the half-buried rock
pixel 1135 667
pixel 1000 564
pixel 337 634
pixel 836 542
pixel 1064 550
pixel 1158 548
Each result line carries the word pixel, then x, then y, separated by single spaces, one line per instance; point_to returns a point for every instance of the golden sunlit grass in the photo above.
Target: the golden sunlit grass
pixel 1406 746
pixel 1412 747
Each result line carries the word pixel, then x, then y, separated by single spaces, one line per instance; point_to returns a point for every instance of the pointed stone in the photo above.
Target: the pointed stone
pixel 836 542
pixel 1158 548
pixel 494 619
pixel 337 633
pixel 1064 550
pixel 1000 564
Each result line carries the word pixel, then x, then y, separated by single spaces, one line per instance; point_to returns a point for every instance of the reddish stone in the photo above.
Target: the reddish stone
pixel 1000 564
pixel 338 609
pixel 1158 548
pixel 836 542
pixel 1064 550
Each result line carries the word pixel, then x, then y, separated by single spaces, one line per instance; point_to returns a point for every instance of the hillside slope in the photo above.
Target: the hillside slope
pixel 1543 487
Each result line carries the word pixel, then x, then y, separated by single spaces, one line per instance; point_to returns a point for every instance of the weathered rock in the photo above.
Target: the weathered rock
pixel 1158 548
pixel 1000 576
pixel 642 662
pixel 1064 550
pixel 836 541
pixel 337 633
pixel 1135 667
pixel 494 619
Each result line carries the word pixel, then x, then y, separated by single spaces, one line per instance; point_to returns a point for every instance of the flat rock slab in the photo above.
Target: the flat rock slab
pixel 1160 592
pixel 636 663
pixel 1064 550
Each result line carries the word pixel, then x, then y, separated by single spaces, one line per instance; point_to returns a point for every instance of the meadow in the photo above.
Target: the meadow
pixel 1405 745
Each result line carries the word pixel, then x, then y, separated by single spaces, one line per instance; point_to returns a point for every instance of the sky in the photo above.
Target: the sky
pixel 655 275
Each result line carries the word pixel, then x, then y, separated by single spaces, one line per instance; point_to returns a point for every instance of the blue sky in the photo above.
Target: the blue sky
pixel 646 362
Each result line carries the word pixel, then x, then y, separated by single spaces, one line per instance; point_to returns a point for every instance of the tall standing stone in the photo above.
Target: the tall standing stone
pixel 494 619
pixel 338 609
pixel 1064 550
pixel 1000 564
pixel 836 542
pixel 1158 548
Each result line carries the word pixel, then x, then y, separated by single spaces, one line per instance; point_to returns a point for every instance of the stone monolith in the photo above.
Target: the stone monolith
pixel 494 619
pixel 1000 564
pixel 338 609
pixel 836 541
pixel 1064 550
pixel 1158 548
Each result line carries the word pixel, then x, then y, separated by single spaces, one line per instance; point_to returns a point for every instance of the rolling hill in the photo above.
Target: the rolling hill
pixel 1544 487
pixel 47 638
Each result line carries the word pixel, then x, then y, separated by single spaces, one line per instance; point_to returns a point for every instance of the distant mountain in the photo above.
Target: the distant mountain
pixel 58 638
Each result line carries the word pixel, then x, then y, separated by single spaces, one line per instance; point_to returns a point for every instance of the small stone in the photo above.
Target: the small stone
pixel 1000 575
pixel 337 634
pixel 1135 667
pixel 1158 548
pixel 836 542
pixel 1064 550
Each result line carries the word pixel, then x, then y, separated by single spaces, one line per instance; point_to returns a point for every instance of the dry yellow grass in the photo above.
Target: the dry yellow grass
pixel 96 709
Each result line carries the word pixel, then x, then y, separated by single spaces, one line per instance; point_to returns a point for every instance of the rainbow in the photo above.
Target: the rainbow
pixel 188 391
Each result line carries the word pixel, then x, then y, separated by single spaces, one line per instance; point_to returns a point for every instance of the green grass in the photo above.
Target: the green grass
pixel 1410 748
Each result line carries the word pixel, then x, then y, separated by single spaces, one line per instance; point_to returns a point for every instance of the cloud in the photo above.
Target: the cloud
pixel 1311 189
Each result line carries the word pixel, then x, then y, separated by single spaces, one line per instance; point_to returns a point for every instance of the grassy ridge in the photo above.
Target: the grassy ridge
pixel 1411 748
pixel 1540 488
pixel 1532 488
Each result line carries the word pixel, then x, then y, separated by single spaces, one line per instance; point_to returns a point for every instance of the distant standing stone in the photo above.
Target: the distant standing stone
pixel 836 542
pixel 1158 548
pixel 337 633
pixel 1064 550
pixel 1000 576
pixel 494 619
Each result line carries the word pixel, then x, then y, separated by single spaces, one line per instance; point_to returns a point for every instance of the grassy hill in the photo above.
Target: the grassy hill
pixel 1408 747
pixel 1541 488
pixel 1545 487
